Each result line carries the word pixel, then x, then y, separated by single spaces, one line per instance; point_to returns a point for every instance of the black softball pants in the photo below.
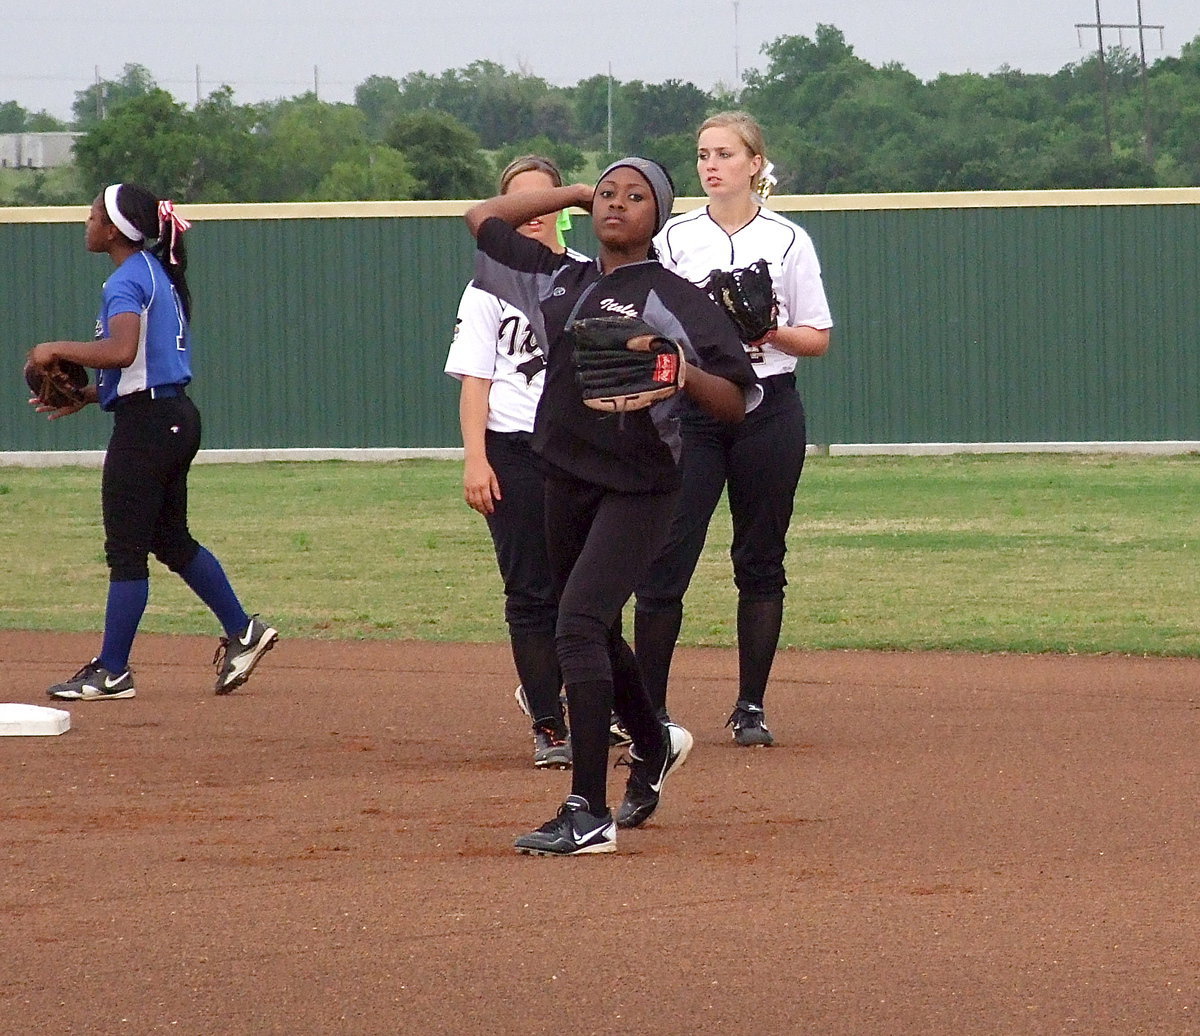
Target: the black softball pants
pixel 144 491
pixel 760 460
pixel 518 528
pixel 600 544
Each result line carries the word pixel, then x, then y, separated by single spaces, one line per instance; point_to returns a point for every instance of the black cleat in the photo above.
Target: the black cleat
pixel 574 831
pixel 235 659
pixel 618 736
pixel 646 780
pixel 551 746
pixel 92 683
pixel 749 724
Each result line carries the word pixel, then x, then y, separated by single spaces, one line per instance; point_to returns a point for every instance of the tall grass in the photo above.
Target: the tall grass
pixel 974 553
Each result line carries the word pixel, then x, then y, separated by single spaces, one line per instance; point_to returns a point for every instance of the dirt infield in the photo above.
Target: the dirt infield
pixel 938 844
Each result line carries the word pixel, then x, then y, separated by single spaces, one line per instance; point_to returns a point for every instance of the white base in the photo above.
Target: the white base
pixel 32 721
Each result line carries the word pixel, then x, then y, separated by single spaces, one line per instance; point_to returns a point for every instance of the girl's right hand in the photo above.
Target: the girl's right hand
pixel 481 488
pixel 584 194
pixel 52 413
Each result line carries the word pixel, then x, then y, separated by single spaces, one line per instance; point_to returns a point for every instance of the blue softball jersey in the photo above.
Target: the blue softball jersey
pixel 141 285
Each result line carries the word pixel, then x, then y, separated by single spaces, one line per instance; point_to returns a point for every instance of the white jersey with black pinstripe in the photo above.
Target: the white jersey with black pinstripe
pixel 693 244
pixel 493 341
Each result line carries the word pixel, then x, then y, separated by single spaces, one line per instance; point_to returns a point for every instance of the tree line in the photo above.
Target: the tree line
pixel 834 124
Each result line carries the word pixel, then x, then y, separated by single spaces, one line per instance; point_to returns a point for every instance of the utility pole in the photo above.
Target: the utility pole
pixel 197 86
pixel 737 62
pixel 1100 25
pixel 1146 137
pixel 316 84
pixel 610 108
pixel 1103 77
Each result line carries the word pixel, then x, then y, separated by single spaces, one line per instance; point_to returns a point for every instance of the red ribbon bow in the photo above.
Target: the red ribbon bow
pixel 167 214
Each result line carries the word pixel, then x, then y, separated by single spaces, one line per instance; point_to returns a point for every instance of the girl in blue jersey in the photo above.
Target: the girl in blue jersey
pixel 141 356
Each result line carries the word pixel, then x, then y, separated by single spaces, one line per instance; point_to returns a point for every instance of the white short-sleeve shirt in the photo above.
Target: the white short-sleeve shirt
pixel 693 244
pixel 494 341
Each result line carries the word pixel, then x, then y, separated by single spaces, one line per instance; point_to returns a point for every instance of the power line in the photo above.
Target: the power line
pixel 1100 25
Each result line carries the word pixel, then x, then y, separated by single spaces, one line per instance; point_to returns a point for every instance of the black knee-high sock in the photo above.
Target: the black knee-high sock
pixel 536 661
pixel 590 705
pixel 632 704
pixel 654 637
pixel 758 626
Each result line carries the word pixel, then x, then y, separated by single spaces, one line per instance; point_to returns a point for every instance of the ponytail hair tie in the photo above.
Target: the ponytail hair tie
pixel 167 214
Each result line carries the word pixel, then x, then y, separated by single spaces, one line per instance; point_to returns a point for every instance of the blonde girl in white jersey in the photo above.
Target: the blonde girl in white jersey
pixel 759 460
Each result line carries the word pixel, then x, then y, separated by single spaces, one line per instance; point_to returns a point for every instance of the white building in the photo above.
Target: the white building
pixel 36 150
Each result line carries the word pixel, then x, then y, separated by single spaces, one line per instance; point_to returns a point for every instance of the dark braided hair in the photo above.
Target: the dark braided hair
pixel 140 207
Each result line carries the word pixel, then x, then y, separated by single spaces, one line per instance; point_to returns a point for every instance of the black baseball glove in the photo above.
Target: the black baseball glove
pixel 59 384
pixel 748 297
pixel 624 364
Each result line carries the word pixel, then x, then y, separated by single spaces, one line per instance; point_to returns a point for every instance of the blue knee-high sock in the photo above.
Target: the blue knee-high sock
pixel 208 581
pixel 126 603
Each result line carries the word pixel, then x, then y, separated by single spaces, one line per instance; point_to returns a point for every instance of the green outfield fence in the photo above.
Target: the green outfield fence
pixel 1032 317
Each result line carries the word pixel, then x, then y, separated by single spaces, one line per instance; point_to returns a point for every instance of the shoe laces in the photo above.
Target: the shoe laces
pixel 87 670
pixel 552 734
pixel 741 718
pixel 639 772
pixel 561 821
pixel 555 825
pixel 222 651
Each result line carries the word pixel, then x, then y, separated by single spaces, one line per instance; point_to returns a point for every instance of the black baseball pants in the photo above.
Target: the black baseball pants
pixel 144 491
pixel 600 544
pixel 518 528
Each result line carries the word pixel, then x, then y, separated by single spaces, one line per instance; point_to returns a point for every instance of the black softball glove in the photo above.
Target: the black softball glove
pixel 59 384
pixel 748 297
pixel 624 364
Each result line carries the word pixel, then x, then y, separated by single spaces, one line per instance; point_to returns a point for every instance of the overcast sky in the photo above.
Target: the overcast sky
pixel 265 49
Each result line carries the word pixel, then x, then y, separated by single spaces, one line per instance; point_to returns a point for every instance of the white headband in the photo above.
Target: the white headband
pixel 116 218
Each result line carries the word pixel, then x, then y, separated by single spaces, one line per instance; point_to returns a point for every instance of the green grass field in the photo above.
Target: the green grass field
pixel 1057 553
